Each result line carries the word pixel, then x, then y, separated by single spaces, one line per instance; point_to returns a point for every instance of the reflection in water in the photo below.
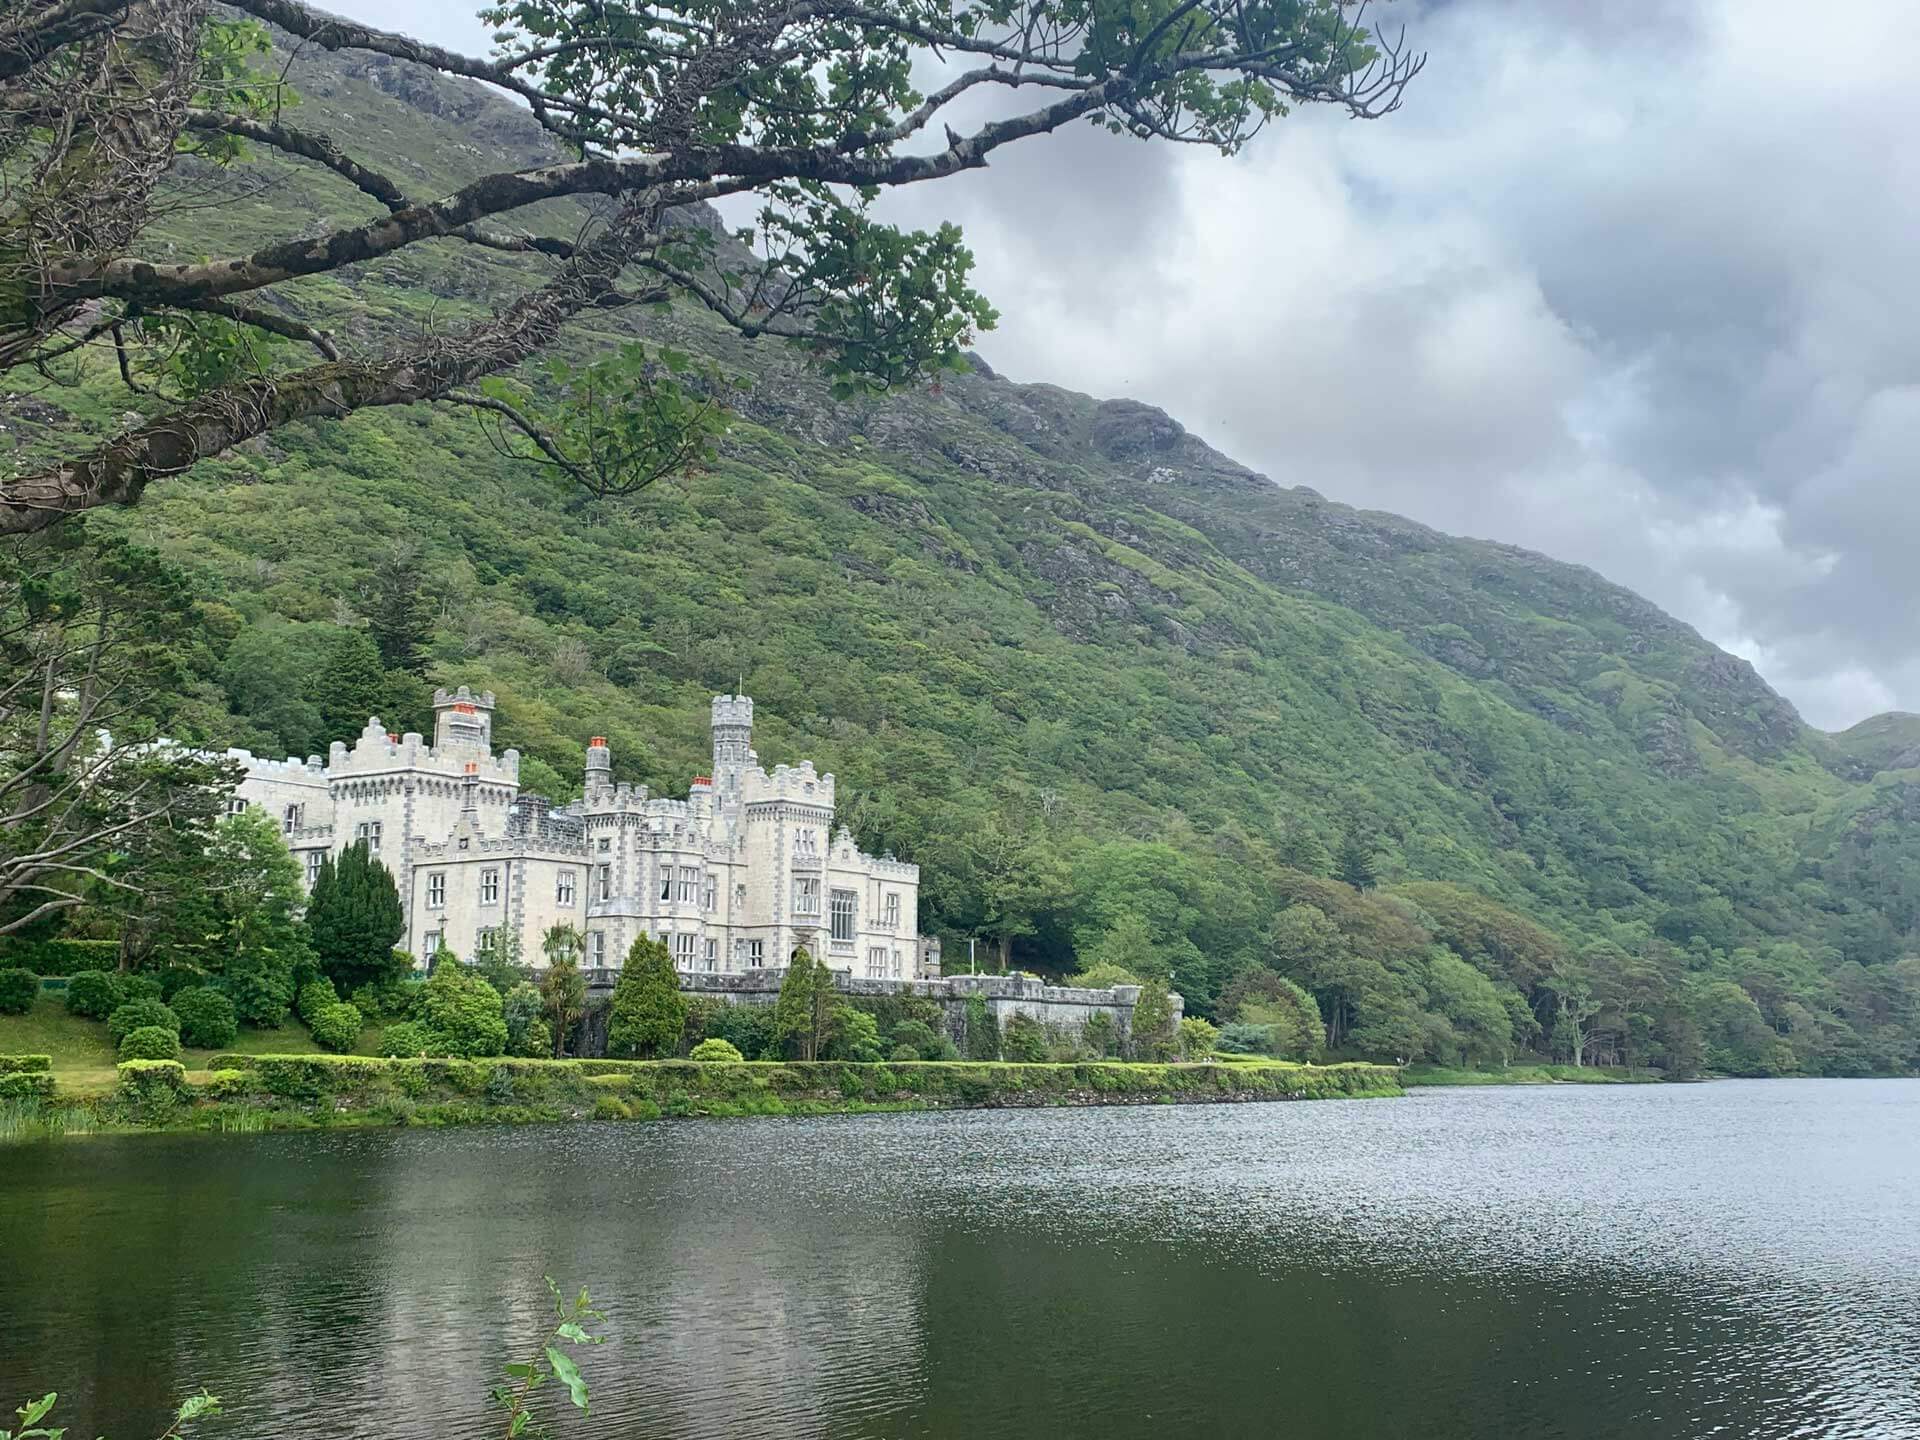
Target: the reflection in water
pixel 1741 1259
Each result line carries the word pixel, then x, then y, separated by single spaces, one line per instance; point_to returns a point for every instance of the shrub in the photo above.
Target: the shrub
pixel 136 1014
pixel 748 1028
pixel 408 1038
pixel 95 994
pixel 527 1033
pixel 716 1051
pixel 150 1042
pixel 60 957
pixel 462 1011
pixel 140 987
pixel 852 1035
pixel 1244 1040
pixel 1100 1034
pixel 1025 1040
pixel 207 1018
pixel 18 990
pixel 315 996
pixel 648 1009
pixel 25 1064
pixel 1197 1038
pixel 1103 975
pixel 336 1026
pixel 150 1090
pixel 176 978
pixel 904 1052
pixel 983 1031
pixel 388 999
pixel 917 1036
pixel 26 1087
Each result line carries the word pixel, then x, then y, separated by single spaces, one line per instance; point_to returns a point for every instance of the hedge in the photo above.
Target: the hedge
pixel 18 990
pixel 22 1087
pixel 60 957
pixel 150 1042
pixel 25 1064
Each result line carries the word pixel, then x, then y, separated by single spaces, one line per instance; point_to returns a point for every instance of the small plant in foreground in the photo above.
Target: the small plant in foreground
pixel 549 1363
pixel 194 1407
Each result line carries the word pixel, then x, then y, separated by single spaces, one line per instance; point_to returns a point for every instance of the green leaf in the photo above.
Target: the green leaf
pixel 519 1422
pixel 33 1410
pixel 573 1332
pixel 520 1370
pixel 196 1406
pixel 569 1375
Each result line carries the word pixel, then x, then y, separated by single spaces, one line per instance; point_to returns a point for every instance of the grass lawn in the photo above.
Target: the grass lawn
pixel 1418 1075
pixel 83 1052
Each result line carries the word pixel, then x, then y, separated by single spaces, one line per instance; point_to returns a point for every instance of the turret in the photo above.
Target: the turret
pixel 462 718
pixel 732 744
pixel 599 769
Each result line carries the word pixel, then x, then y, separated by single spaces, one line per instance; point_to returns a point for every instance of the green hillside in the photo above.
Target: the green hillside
pixel 1120 697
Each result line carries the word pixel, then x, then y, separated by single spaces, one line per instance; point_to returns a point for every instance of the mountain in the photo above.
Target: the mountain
pixel 1111 688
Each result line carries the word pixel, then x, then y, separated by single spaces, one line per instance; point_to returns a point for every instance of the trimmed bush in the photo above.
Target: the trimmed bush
pixel 18 990
pixel 137 1014
pixel 60 957
pixel 26 1087
pixel 140 987
pixel 207 1018
pixel 336 1026
pixel 1197 1038
pixel 25 1064
pixel 716 1051
pixel 95 994
pixel 176 978
pixel 151 1042
pixel 315 996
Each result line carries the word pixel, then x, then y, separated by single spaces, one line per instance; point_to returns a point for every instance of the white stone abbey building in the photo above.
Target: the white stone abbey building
pixel 733 878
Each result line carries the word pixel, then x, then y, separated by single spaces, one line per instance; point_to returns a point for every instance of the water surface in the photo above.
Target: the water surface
pixel 1738 1259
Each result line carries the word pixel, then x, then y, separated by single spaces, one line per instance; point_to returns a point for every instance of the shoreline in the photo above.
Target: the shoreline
pixel 241 1094
pixel 1429 1077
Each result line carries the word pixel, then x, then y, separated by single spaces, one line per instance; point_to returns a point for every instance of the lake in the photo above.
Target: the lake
pixel 1738 1259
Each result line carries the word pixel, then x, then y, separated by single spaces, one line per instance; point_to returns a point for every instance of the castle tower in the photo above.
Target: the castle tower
pixel 463 719
pixel 732 744
pixel 599 769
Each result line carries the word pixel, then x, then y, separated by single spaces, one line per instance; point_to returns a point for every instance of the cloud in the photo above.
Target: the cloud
pixel 1630 285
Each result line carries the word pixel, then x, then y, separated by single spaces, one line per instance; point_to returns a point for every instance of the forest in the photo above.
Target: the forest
pixel 1352 787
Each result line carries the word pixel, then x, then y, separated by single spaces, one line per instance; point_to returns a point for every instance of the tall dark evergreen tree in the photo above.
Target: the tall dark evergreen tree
pixel 399 615
pixel 1356 864
pixel 648 1009
pixel 353 917
pixel 353 685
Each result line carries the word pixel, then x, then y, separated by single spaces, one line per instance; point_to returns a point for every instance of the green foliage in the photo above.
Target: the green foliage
pixel 315 996
pixel 25 1064
pixel 852 1035
pixel 140 987
pixel 59 957
pixel 18 990
pixel 1355 865
pixel 563 989
pixel 32 1412
pixel 25 1086
pixel 1100 1035
pixel 1023 1040
pixel 715 1051
pixel 336 1026
pixel 354 919
pixel 648 1009
pixel 208 1020
pixel 801 1014
pixel 983 1031
pixel 409 1038
pixel 1103 975
pixel 527 1033
pixel 150 1042
pixel 462 1012
pixel 551 1363
pixel 748 1028
pixel 919 1038
pixel 1151 1036
pixel 1287 1017
pixel 136 1014
pixel 1197 1038
pixel 1240 1038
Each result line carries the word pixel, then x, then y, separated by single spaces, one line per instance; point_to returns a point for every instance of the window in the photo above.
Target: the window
pixel 430 944
pixel 844 903
pixel 489 887
pixel 683 947
pixel 739 896
pixel 488 941
pixel 236 806
pixel 604 882
pixel 437 890
pixel 597 948
pixel 314 858
pixel 806 895
pixel 603 844
pixel 290 818
pixel 689 884
pixel 369 831
pixel 710 897
pixel 896 965
pixel 803 842
pixel 876 962
pixel 666 882
pixel 563 888
pixel 756 954
pixel 893 910
pixel 713 954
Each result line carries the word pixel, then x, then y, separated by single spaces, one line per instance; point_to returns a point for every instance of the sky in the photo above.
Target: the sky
pixel 1628 283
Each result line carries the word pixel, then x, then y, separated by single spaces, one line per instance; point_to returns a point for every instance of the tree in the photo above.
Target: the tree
pixel 648 1008
pixel 253 884
pixel 810 108
pixel 801 1013
pixel 94 809
pixel 527 1032
pixel 399 615
pixel 563 989
pixel 354 920
pixel 993 876
pixel 1288 1014
pixel 461 1012
pixel 1355 865
pixel 353 685
pixel 1151 1036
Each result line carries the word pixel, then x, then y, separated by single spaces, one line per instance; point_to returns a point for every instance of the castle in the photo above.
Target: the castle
pixel 732 879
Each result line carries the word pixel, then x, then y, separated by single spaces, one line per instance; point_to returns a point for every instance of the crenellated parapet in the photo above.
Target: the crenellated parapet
pixel 798 783
pixel 378 751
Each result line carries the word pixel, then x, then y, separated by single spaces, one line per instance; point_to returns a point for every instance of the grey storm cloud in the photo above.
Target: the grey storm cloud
pixel 1627 284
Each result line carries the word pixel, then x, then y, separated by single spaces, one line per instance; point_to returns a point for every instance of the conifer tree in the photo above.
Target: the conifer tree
pixel 399 617
pixel 354 919
pixel 1356 863
pixel 353 685
pixel 806 999
pixel 563 989
pixel 648 1009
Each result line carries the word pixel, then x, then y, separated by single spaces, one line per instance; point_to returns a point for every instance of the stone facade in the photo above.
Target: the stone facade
pixel 733 878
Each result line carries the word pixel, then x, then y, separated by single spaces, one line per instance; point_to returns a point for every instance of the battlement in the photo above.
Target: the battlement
pixel 787 782
pixel 463 696
pixel 293 769
pixel 377 750
pixel 733 711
